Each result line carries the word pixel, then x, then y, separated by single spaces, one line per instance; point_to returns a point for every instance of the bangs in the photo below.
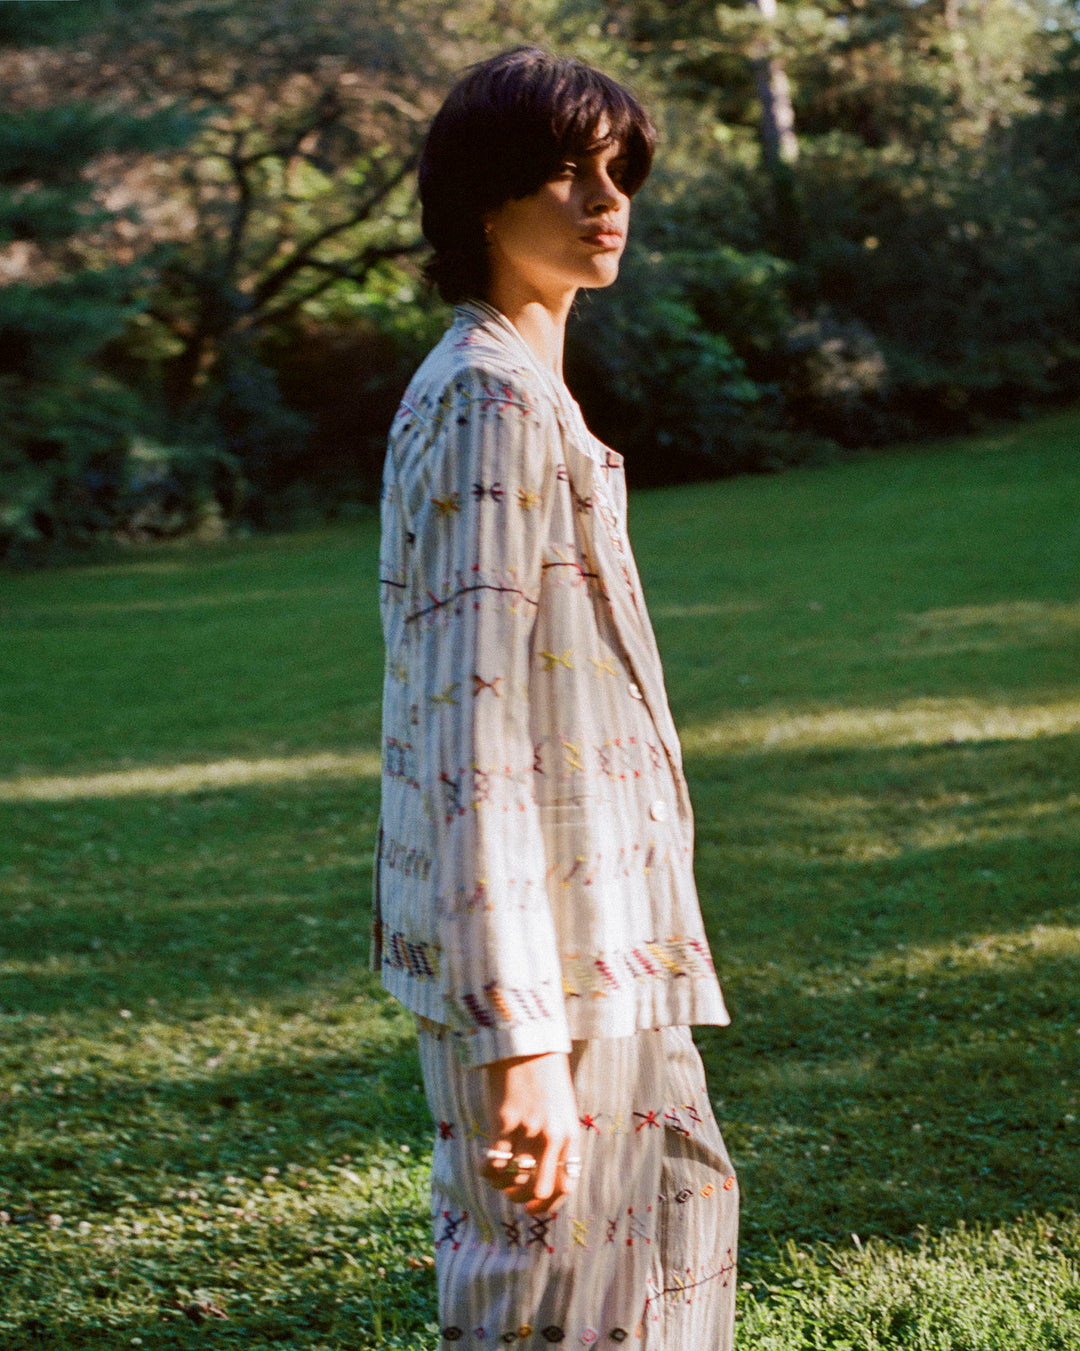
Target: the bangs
pixel 588 104
pixel 545 108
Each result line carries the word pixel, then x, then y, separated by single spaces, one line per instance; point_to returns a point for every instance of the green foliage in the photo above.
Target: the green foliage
pixel 29 21
pixel 930 218
pixel 675 409
pixel 705 401
pixel 65 422
pixel 967 283
pixel 211 1123
pixel 916 271
pixel 344 365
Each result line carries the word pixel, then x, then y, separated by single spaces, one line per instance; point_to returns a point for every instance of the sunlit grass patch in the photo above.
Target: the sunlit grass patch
pixel 212 1129
pixel 925 723
pixel 191 778
pixel 875 1296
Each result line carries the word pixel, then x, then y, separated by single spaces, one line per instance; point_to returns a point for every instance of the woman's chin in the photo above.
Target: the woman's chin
pixel 603 273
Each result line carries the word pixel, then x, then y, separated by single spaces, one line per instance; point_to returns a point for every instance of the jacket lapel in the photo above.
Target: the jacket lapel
pixel 601 480
pixel 596 473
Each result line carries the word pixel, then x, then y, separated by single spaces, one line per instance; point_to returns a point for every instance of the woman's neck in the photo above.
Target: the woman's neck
pixel 541 322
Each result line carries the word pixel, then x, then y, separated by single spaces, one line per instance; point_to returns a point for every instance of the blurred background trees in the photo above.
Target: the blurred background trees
pixel 863 225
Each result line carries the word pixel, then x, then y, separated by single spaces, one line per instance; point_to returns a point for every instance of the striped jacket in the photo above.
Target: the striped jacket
pixel 534 878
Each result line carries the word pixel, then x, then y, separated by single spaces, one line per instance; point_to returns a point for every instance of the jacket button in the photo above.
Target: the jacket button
pixel 658 810
pixel 635 691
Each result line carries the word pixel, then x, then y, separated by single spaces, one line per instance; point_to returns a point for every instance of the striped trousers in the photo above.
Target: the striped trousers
pixel 643 1251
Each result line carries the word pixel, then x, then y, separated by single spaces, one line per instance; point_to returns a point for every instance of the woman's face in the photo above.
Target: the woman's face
pixel 568 234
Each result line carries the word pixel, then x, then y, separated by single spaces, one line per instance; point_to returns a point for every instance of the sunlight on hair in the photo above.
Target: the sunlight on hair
pixel 923 722
pixel 191 778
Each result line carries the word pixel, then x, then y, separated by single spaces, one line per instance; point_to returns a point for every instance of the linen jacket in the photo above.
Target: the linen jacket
pixel 534 878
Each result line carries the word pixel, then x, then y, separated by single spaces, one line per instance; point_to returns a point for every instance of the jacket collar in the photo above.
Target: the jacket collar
pixel 592 467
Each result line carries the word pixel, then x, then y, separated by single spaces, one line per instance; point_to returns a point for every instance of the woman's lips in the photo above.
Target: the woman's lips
pixel 604 239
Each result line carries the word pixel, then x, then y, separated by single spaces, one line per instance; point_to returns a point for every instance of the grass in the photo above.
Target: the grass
pixel 211 1125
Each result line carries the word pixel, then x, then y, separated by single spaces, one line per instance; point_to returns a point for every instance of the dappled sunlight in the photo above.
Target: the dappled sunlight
pixel 1029 618
pixel 1058 818
pixel 705 610
pixel 922 722
pixel 54 966
pixel 799 1075
pixel 987 628
pixel 190 778
pixel 244 596
pixel 1013 946
pixel 868 826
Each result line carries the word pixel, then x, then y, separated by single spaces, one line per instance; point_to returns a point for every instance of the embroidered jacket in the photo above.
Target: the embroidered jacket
pixel 534 877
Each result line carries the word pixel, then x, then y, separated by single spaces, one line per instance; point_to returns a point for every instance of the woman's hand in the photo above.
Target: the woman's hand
pixel 534 1116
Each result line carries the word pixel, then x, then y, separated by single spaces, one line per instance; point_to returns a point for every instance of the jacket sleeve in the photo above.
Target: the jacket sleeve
pixel 478 498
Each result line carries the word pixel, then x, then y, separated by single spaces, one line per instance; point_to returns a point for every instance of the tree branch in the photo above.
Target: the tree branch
pixel 300 258
pixel 333 272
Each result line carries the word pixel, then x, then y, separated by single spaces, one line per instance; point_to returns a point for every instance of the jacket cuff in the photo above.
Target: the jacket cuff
pixel 488 1044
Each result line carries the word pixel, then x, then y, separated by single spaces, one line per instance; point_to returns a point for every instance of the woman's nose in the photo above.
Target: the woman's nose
pixel 603 191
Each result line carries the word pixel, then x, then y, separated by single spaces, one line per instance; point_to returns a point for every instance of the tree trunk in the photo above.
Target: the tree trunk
pixel 778 141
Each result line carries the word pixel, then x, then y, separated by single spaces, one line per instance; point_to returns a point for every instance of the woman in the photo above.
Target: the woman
pixel 535 897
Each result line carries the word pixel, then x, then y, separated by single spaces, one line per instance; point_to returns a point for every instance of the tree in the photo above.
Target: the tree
pixel 294 196
pixel 63 423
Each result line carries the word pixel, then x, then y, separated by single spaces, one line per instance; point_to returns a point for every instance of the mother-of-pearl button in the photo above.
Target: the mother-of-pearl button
pixel 635 691
pixel 658 810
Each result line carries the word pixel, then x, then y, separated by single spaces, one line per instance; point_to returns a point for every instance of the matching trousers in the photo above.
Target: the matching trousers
pixel 644 1250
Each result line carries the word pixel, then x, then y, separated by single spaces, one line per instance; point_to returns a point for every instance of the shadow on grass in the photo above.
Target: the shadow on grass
pixel 190 904
pixel 896 929
pixel 897 932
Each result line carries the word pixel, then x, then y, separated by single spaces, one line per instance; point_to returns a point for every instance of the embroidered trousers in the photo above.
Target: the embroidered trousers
pixel 644 1251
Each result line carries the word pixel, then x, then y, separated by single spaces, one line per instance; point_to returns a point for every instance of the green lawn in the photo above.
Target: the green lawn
pixel 211 1126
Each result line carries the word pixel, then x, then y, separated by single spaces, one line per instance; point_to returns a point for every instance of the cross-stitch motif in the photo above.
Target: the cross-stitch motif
pixel 493 490
pixel 643 1252
pixel 452 1225
pixel 516 631
pixel 420 960
pixel 538 1231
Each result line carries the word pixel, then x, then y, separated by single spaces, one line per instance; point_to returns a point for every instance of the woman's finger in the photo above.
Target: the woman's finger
pixel 567 1173
pixel 498 1165
pixel 546 1180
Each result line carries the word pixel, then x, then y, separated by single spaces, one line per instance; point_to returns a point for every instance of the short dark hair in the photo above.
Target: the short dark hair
pixel 501 133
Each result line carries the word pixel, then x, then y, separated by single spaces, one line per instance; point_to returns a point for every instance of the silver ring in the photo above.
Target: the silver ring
pixel 500 1155
pixel 525 1163
pixel 572 1168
